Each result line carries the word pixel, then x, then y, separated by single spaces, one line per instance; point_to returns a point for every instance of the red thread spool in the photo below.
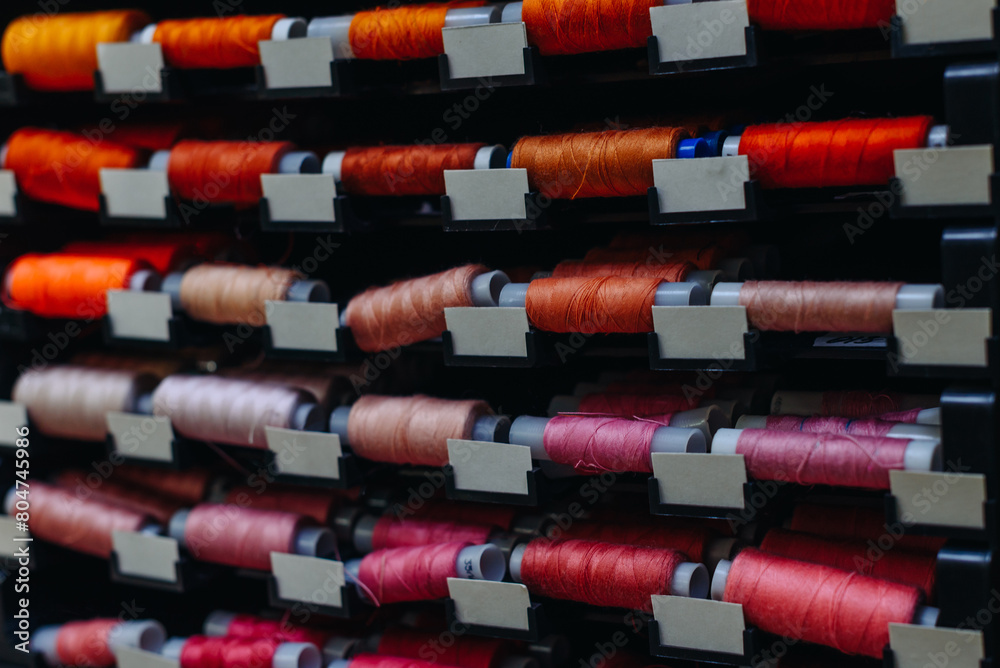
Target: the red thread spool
pixel 145 136
pixel 916 569
pixel 853 152
pixel 821 459
pixel 465 651
pixel 690 541
pixel 240 537
pixel 477 513
pixel 164 254
pixel 214 43
pixel 410 573
pixel 66 286
pixel 223 172
pixel 401 33
pixel 189 486
pixel 59 517
pixel 818 603
pixel 595 445
pixel 118 494
pixel 316 504
pixel 226 652
pixel 857 522
pixel 820 14
pixel 390 532
pixel 604 574
pixel 909 416
pixel 808 306
pixel 252 626
pixel 635 405
pixel 403 170
pixel 559 27
pixel 592 305
pixel 63 167
pixel 85 643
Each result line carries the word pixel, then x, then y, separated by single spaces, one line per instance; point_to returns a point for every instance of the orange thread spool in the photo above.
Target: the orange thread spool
pixel 702 257
pixel 672 272
pixel 163 254
pixel 852 152
pixel 62 167
pixel 613 163
pixel 559 27
pixel 66 286
pixel 403 170
pixel 602 305
pixel 401 33
pixel 58 52
pixel 223 172
pixel 214 43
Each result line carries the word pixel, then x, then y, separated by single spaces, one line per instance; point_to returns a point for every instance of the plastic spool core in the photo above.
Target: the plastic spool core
pixel 289 28
pixel 44 641
pixel 752 422
pixel 724 441
pixel 923 455
pixel 516 556
pixel 490 157
pixel 690 580
pixel 487 288
pixel 217 623
pixel 175 528
pixel 145 36
pixel 680 294
pixel 315 542
pixel 920 297
pixel 364 532
pixel 145 280
pixel 678 439
pixel 481 562
pixel 159 161
pixel 726 294
pixel 146 634
pixel 308 291
pixel 472 16
pixel 172 648
pixel 296 655
pixel 529 431
pixel 338 422
pixel 332 164
pixel 731 146
pixel 299 162
pixel 511 13
pixel 719 579
pixel 338 30
pixel 736 268
pixel 514 295
pixel 487 427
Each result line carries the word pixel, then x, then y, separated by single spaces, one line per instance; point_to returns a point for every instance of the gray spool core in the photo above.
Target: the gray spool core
pixel 308 291
pixel 490 157
pixel 144 634
pixel 296 655
pixel 338 422
pixel 513 294
pixel 485 428
pixel 159 161
pixel 299 162
pixel 175 528
pixel 172 648
pixel 315 542
pixel 44 641
pixel 143 404
pixel 487 288
pixel 920 297
pixel 289 28
pixel 307 417
pixel 172 286
pixel 145 280
pixel 472 16
pixel 217 623
pixel 364 532
pixel 511 13
pixel 680 294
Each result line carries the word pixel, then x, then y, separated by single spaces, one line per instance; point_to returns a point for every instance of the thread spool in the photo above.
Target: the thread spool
pixel 83 525
pixel 808 306
pixel 853 522
pixel 497 515
pixel 220 623
pixel 826 459
pixel 245 537
pixel 207 652
pixel 595 445
pixel 411 430
pixel 916 569
pixel 63 167
pixel 228 172
pixel 69 286
pixel 704 256
pixel 395 171
pixel 817 603
pixel 405 312
pixel 58 51
pixel 421 573
pixel 465 651
pixel 821 15
pixel 232 294
pixel 695 542
pixel 852 152
pixel 232 411
pixel 220 43
pixel 122 495
pixel 322 381
pixel 605 574
pixel 597 305
pixel 708 419
pixel 613 163
pixel 836 425
pixel 671 272
pixel 316 504
pixel 163 254
pixel 859 404
pixel 386 532
pixel 633 405
pixel 73 401
pixel 91 643
pixel 189 486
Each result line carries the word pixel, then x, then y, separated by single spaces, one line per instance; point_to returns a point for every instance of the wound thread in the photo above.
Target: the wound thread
pixel 226 410
pixel 818 603
pixel 223 172
pixel 593 445
pixel 231 294
pixel 408 311
pixel 809 306
pixel 410 430
pixel 390 532
pixel 603 305
pixel 189 486
pixel 853 152
pixel 635 405
pixel 830 425
pixel 403 170
pixel 401 33
pixel 857 522
pixel 225 652
pixel 465 651
pixel 820 14
pixel 72 402
pixel 86 643
pixel 84 525
pixel 240 537
pixel 63 167
pixel 410 573
pixel 603 574
pixel 58 51
pixel 688 540
pixel 252 626
pixel 214 43
pixel 613 163
pixel 821 459
pixel 118 494
pixel 560 27
pixel 316 504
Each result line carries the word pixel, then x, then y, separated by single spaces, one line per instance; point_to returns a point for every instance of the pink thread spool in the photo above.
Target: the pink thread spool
pixel 836 425
pixel 58 648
